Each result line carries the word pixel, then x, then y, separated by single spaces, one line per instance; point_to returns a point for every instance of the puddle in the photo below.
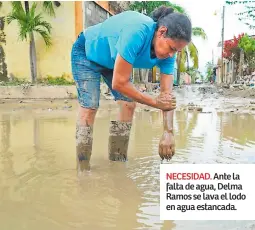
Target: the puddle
pixel 39 187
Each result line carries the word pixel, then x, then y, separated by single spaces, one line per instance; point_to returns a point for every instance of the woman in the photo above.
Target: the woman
pixel 112 49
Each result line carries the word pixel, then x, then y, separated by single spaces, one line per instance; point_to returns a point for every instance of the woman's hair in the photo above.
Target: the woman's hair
pixel 178 25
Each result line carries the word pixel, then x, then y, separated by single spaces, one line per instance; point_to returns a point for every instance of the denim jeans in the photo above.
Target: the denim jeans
pixel 87 75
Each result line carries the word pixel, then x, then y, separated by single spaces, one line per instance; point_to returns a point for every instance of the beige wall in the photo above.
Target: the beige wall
pixel 53 61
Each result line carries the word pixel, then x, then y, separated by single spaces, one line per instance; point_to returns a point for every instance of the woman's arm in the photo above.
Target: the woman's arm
pixel 167 141
pixel 121 83
pixel 166 86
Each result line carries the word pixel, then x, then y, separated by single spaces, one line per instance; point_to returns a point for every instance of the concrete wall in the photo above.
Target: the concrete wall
pixel 53 61
pixel 103 4
pixel 38 92
pixel 71 18
pixel 94 13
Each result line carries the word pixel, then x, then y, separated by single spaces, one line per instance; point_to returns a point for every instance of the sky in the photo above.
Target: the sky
pixel 202 14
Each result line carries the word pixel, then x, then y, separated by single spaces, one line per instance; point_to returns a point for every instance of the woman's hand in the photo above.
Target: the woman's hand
pixel 121 83
pixel 167 146
pixel 166 102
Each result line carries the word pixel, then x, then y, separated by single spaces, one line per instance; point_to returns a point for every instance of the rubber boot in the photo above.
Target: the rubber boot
pixel 84 141
pixel 118 140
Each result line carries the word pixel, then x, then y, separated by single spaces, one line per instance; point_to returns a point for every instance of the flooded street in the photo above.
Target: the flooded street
pixel 39 187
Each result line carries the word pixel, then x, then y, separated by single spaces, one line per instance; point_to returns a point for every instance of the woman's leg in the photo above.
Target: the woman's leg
pixel 126 109
pixel 119 132
pixel 120 129
pixel 87 79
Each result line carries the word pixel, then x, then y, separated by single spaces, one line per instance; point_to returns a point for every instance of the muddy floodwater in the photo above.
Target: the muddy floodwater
pixel 40 189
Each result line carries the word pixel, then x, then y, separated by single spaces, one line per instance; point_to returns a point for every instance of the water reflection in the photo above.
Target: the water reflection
pixel 238 128
pixel 185 123
pixel 39 186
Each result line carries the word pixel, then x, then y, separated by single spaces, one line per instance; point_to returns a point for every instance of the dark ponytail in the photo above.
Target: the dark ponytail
pixel 160 12
pixel 178 25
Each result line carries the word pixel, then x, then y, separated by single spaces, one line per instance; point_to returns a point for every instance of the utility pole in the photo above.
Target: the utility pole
pixel 222 43
pixel 212 58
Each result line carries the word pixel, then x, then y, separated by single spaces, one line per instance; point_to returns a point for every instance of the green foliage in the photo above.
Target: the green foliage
pixel 147 7
pixel 248 14
pixel 3 65
pixel 49 8
pixel 234 47
pixel 247 43
pixel 50 80
pixel 199 32
pixel 189 53
pixel 15 82
pixel 181 61
pixel 193 53
pixel 29 22
pixel 209 70
pixel 193 74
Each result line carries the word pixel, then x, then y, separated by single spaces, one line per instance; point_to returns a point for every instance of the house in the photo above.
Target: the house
pixel 71 18
pixel 228 66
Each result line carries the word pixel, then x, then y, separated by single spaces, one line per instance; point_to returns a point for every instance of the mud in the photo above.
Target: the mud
pixel 168 121
pixel 39 187
pixel 119 133
pixel 84 142
pixel 166 101
pixel 27 91
pixel 236 90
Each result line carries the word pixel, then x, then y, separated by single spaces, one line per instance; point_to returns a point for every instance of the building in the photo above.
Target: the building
pixel 71 18
pixel 229 66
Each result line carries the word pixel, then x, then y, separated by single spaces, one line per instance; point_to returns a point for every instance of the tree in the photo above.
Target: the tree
pixel 3 66
pixel 147 7
pixel 194 74
pixel 240 46
pixel 248 15
pixel 247 44
pixel 231 49
pixel 29 23
pixel 48 7
pixel 191 52
pixel 209 70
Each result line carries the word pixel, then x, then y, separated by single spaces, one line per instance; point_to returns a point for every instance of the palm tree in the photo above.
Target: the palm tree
pixel 48 7
pixel 209 70
pixel 3 66
pixel 30 22
pixel 190 52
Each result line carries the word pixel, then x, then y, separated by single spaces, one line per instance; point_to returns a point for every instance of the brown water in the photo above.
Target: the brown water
pixel 39 187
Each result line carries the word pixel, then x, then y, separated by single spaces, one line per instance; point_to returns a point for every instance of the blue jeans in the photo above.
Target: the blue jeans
pixel 87 75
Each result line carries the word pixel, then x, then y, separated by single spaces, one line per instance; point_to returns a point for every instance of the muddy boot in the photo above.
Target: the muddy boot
pixel 84 141
pixel 118 140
